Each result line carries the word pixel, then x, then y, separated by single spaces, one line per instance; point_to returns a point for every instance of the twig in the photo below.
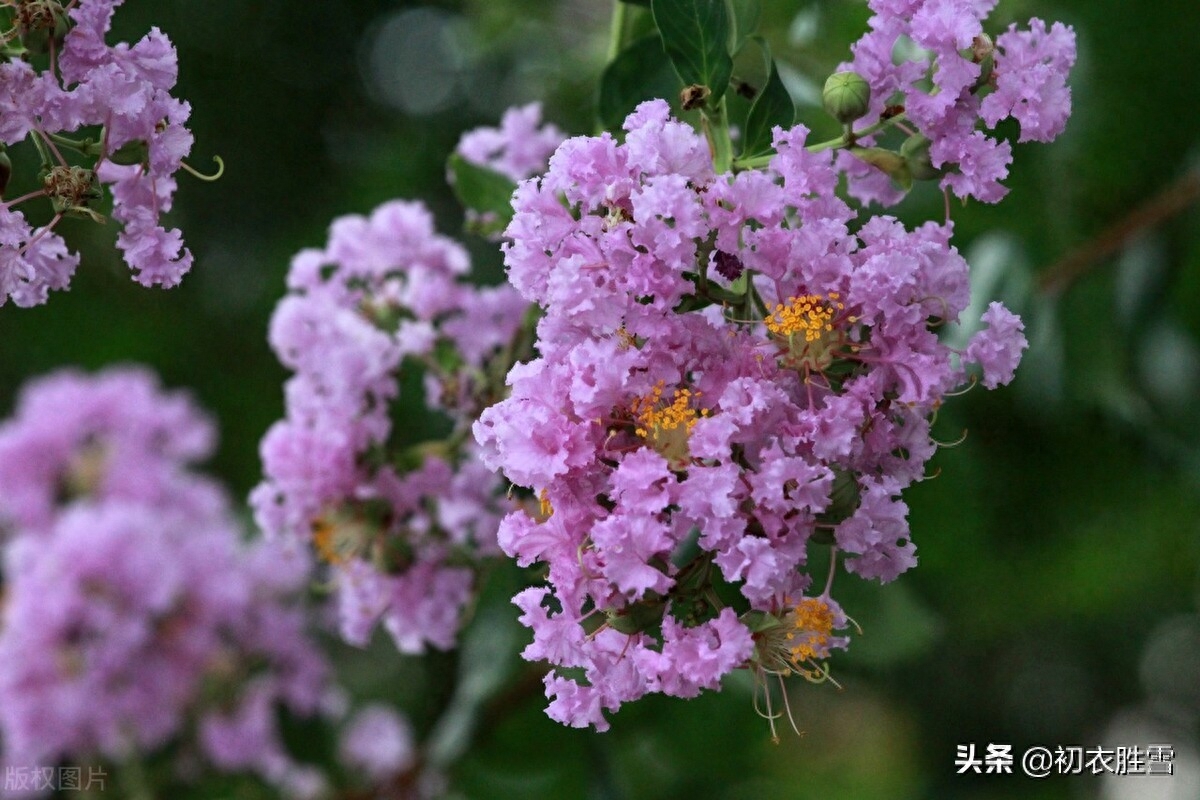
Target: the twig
pixel 1170 201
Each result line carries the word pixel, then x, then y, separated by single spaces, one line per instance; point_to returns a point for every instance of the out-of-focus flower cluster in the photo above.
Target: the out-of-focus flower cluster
pixel 85 82
pixel 518 149
pixel 733 371
pixel 132 612
pixel 949 77
pixel 401 531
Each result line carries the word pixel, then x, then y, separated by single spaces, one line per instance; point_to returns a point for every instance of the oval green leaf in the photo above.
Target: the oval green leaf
pixel 483 191
pixel 640 72
pixel 773 106
pixel 746 16
pixel 695 36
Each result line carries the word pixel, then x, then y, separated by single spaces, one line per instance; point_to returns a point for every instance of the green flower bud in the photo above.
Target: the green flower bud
pixel 915 152
pixel 847 96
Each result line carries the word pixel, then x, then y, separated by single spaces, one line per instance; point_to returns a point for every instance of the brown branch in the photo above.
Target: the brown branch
pixel 1173 200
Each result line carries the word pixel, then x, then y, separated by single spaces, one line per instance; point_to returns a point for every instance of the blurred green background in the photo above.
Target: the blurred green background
pixel 1056 598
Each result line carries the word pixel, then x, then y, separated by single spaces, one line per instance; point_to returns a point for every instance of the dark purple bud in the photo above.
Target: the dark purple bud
pixel 728 266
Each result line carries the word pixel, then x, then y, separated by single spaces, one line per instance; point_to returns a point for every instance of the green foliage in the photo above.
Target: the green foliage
pixel 695 35
pixel 745 16
pixel 772 106
pixel 483 191
pixel 640 72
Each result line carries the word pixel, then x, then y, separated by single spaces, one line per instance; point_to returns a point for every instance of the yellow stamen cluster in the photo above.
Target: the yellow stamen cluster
pixel 545 509
pixel 323 538
pixel 813 624
pixel 810 314
pixel 810 329
pixel 652 415
pixel 666 425
pixel 339 537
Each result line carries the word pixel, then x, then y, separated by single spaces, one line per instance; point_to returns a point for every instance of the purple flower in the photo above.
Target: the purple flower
pixel 32 262
pixel 129 591
pixel 116 615
pixel 126 89
pixel 696 658
pixel 113 436
pixel 378 741
pixel 997 348
pixel 1031 80
pixel 1030 70
pixel 877 534
pixel 519 148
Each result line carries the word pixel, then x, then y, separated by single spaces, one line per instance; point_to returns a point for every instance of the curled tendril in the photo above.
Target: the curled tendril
pixel 216 176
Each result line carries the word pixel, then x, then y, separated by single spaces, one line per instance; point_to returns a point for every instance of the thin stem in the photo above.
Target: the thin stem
pixel 53 55
pixel 849 141
pixel 836 143
pixel 37 237
pixel 43 153
pixel 1173 200
pixel 85 147
pixel 50 144
pixel 833 554
pixel 24 197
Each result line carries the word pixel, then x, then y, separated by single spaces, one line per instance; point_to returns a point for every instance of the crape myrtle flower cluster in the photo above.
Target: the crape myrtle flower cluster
pixel 133 615
pixel 735 379
pixel 400 530
pixel 733 369
pixel 83 82
pixel 951 77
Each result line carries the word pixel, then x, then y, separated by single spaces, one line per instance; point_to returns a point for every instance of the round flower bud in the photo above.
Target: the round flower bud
pixel 846 96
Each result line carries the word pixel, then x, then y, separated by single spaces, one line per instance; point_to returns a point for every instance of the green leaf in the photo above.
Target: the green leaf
pixel 640 72
pixel 695 34
pixel 637 2
pixel 483 191
pixel 746 16
pixel 772 107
